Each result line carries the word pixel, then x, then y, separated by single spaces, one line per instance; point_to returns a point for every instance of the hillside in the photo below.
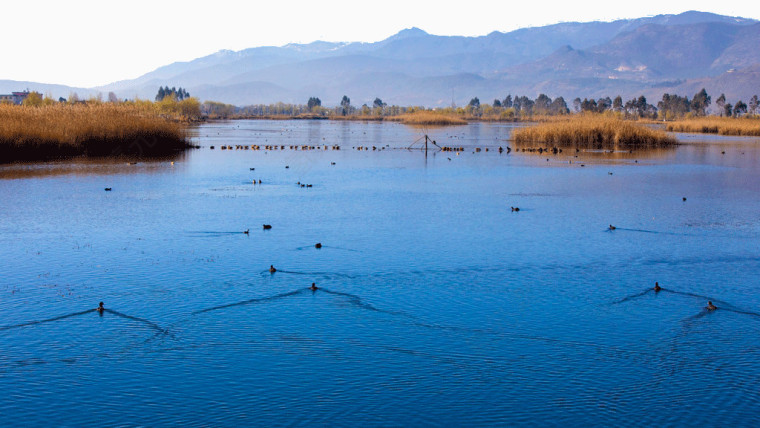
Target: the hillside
pixel 626 57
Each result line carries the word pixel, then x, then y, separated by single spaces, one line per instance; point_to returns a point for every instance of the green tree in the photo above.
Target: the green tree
pixel 740 108
pixel 313 102
pixel 559 106
pixel 617 104
pixel 603 104
pixel 721 103
pixel 523 104
pixel 588 105
pixel 345 103
pixel 641 105
pixel 507 103
pixel 577 104
pixel 474 103
pixel 673 106
pixel 378 107
pixel 161 93
pixel 728 109
pixel 542 103
pixel 701 102
pixel 754 103
pixel 497 103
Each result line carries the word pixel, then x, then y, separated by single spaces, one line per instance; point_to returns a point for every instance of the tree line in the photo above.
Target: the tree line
pixel 671 106
pixel 178 94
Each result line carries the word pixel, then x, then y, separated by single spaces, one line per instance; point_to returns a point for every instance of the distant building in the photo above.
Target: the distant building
pixel 14 97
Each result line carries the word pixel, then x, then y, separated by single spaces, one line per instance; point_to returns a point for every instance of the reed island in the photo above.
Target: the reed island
pixel 594 132
pixel 57 130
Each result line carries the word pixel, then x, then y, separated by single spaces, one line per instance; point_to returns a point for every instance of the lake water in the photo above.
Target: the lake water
pixel 437 304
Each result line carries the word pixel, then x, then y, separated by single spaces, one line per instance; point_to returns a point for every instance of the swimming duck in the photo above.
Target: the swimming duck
pixel 318 245
pixel 108 189
pixel 247 231
pixel 657 287
pixel 684 199
pixel 710 306
pixel 272 269
pixel 100 308
pixel 515 209
pixel 313 287
pixel 267 226
pixel 612 227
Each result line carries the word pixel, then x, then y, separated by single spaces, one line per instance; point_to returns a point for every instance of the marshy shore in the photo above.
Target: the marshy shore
pixel 749 127
pixel 594 132
pixel 63 130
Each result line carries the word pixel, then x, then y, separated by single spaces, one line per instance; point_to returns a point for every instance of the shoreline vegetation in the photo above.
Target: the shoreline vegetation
pixel 429 118
pixel 511 109
pixel 44 129
pixel 749 127
pixel 593 132
pixel 62 130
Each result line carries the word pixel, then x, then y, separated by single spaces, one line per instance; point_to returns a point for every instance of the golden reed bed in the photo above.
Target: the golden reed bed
pixel 593 132
pixel 62 130
pixel 429 118
pixel 718 125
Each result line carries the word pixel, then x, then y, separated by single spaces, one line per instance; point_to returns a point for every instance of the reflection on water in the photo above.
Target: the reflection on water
pixel 586 156
pixel 436 304
pixel 90 166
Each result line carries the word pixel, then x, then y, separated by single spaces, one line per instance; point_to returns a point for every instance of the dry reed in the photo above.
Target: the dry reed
pixel 60 130
pixel 429 118
pixel 718 125
pixel 593 132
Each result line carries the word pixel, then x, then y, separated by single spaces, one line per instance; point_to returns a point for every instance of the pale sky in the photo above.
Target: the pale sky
pixel 92 42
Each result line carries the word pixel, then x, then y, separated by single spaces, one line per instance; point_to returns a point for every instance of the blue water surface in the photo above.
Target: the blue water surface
pixel 437 304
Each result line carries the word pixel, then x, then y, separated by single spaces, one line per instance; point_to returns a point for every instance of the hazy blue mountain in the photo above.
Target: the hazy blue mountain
pixel 591 59
pixel 739 84
pixel 56 91
pixel 646 60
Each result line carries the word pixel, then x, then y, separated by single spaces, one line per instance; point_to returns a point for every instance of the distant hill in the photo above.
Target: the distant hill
pixel 8 86
pixel 627 57
pixel 740 84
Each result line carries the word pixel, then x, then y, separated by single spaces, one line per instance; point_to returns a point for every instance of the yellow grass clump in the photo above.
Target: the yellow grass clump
pixel 718 125
pixel 429 118
pixel 593 132
pixel 103 129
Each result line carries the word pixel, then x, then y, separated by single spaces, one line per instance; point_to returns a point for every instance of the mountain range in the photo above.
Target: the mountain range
pixel 650 56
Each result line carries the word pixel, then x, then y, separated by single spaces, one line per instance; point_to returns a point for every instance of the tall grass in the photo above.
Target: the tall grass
pixel 61 130
pixel 429 118
pixel 718 125
pixel 593 132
